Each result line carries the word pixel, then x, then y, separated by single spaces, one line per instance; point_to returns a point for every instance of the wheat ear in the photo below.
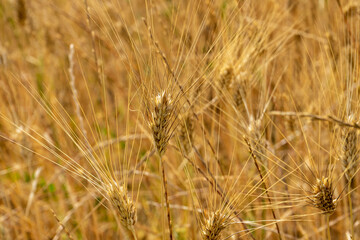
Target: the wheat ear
pixel 323 196
pixel 186 132
pixel 214 224
pixel 124 208
pixel 161 130
pixel 226 77
pixel 349 156
pixel 349 159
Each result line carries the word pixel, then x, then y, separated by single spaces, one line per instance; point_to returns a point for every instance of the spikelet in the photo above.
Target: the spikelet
pixel 256 140
pixel 351 9
pixel 238 86
pixel 21 11
pixel 186 132
pixel 349 154
pixel 214 224
pixel 226 77
pixel 322 197
pixel 123 205
pixel 160 122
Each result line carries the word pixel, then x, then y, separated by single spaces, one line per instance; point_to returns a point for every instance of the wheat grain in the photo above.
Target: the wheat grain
pixel 349 156
pixel 186 132
pixel 123 206
pixel 160 122
pixel 226 76
pixel 323 196
pixel 214 224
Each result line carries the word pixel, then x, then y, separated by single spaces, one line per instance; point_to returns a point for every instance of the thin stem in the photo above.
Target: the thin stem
pixel 130 233
pixel 315 117
pixel 263 182
pixel 351 211
pixel 92 33
pixel 328 226
pixel 166 197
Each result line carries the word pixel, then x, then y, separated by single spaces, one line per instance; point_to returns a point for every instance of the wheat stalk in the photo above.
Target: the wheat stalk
pixel 160 125
pixel 251 151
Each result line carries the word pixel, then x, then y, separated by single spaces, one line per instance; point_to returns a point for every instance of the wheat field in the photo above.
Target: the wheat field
pixel 179 119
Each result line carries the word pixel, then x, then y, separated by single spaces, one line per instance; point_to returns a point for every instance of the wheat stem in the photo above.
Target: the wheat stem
pixel 264 184
pixel 164 180
pixel 351 211
pixel 328 226
pixel 130 233
pixel 92 33
pixel 315 117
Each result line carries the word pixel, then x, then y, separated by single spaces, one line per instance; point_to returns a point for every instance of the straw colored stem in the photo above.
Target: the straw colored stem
pixel 92 33
pixel 164 180
pixel 130 233
pixel 315 118
pixel 264 184
pixel 328 226
pixel 351 211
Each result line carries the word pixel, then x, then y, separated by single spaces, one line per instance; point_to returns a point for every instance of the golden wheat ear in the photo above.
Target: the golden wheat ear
pixel 239 90
pixel 186 130
pixel 349 161
pixel 213 224
pixel 226 77
pixel 257 141
pixel 124 207
pixel 160 122
pixel 323 196
pixel 349 154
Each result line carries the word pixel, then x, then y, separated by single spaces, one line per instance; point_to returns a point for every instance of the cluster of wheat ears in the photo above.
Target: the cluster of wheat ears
pixel 179 119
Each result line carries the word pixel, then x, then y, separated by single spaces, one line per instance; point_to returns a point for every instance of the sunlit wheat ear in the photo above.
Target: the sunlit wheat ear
pixel 349 154
pixel 323 196
pixel 186 130
pixel 214 224
pixel 124 207
pixel 226 77
pixel 239 90
pixel 160 122
pixel 351 9
pixel 256 140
